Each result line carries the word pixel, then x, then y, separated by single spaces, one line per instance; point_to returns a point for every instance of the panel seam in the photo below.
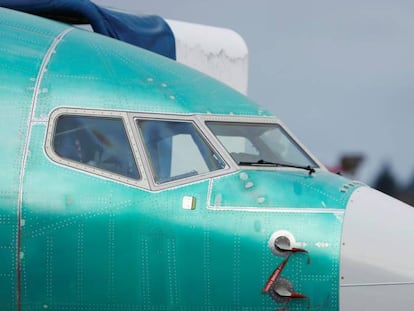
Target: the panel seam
pixel 39 78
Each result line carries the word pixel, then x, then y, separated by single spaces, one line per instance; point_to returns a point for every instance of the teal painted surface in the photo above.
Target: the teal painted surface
pixel 101 245
pixel 99 74
pixel 88 243
pixel 22 46
pixel 283 189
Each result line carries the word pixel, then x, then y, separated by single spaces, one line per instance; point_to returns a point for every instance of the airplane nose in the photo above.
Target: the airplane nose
pixel 377 253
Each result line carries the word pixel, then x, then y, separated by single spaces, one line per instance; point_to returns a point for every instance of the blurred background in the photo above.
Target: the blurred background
pixel 340 75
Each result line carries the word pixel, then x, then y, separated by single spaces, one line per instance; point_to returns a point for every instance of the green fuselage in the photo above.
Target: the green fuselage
pixel 71 239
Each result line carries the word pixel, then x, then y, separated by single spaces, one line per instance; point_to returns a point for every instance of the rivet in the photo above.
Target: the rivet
pixel 243 176
pixel 218 200
pixel 248 185
pixel 260 200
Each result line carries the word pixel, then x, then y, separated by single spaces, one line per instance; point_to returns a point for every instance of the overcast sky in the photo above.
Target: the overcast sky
pixel 340 74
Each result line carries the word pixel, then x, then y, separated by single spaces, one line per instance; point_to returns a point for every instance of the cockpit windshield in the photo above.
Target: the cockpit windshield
pixel 261 145
pixel 176 150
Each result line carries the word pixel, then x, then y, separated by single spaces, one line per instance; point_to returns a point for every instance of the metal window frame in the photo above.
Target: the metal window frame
pixel 142 182
pixel 147 180
pixel 202 131
pixel 203 119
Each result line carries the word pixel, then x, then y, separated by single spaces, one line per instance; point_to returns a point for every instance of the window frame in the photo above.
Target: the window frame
pixel 204 134
pixel 98 172
pixel 254 120
pixel 139 152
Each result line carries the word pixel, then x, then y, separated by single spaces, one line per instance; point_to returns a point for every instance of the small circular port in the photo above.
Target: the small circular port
pixel 281 243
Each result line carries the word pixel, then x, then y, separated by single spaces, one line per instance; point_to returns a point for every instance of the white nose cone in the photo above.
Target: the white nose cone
pixel 377 254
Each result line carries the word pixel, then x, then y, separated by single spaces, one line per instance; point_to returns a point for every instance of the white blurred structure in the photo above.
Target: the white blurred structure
pixel 217 52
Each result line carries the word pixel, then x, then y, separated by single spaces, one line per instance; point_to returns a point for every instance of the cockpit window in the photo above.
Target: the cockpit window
pixel 260 144
pixel 99 142
pixel 176 150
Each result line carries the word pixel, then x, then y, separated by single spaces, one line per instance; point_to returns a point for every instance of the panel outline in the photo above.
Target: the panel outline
pixel 49 150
